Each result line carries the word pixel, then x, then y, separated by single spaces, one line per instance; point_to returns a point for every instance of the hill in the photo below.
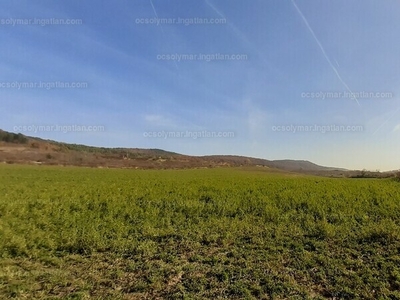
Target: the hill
pixel 21 149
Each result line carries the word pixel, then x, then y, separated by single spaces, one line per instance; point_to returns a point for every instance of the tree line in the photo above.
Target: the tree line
pixel 13 137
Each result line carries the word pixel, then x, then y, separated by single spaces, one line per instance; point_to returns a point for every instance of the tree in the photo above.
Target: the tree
pixel 13 137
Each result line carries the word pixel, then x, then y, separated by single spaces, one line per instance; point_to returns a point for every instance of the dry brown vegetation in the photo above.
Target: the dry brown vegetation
pixel 20 149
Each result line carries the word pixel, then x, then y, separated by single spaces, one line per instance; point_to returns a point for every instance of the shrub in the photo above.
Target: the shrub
pixel 12 137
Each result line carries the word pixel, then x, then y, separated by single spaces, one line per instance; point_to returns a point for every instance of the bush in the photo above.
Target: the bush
pixel 12 137
pixel 397 176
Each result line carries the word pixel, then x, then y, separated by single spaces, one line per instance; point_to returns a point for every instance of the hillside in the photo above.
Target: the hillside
pixel 21 149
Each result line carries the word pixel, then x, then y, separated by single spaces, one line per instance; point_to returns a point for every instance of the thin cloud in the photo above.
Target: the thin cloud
pixel 215 9
pixel 156 14
pixel 159 121
pixel 323 50
pixel 162 30
pixel 241 36
pixel 387 120
pixel 154 9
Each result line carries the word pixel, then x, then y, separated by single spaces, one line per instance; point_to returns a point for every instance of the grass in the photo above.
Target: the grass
pixel 77 233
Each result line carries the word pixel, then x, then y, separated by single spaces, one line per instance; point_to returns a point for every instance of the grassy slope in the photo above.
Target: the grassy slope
pixel 131 234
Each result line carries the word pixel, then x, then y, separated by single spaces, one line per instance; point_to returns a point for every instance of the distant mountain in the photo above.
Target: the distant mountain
pixel 18 148
pixel 299 165
pixel 288 165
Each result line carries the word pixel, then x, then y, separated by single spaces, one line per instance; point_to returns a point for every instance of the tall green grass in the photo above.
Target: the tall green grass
pixel 204 233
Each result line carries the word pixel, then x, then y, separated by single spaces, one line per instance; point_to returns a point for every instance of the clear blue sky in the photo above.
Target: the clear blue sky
pixel 291 48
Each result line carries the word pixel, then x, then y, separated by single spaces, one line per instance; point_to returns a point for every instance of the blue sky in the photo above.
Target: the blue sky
pixel 290 50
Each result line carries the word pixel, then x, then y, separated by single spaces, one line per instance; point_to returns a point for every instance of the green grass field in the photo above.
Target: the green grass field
pixel 77 233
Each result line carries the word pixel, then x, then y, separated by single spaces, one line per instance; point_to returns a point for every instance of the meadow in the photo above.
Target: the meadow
pixel 233 233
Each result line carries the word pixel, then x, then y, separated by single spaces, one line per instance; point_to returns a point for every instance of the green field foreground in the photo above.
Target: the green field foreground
pixel 80 233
